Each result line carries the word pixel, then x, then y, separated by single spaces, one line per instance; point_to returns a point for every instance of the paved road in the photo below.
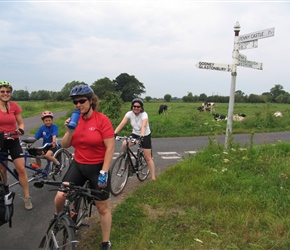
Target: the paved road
pixel 29 227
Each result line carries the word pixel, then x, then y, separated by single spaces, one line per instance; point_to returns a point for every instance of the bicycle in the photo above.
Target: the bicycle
pixel 62 230
pixel 127 164
pixel 48 172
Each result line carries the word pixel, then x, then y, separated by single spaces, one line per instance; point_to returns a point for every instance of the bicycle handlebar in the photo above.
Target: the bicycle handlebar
pixel 128 138
pixel 66 188
pixel 10 134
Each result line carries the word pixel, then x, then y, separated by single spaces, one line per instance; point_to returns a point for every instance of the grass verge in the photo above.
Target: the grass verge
pixel 235 199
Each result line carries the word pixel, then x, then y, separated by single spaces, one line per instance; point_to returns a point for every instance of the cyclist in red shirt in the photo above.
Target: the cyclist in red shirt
pixel 10 115
pixel 93 141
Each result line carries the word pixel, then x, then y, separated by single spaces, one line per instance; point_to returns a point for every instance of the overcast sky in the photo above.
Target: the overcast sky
pixel 46 44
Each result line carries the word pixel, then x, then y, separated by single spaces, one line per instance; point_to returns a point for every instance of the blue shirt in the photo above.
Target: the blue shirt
pixel 46 133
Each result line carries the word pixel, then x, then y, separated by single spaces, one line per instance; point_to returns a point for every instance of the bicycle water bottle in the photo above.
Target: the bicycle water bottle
pixel 74 119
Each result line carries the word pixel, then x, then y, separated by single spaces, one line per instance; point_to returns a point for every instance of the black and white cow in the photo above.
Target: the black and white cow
pixel 239 117
pixel 162 109
pixel 219 117
pixel 207 106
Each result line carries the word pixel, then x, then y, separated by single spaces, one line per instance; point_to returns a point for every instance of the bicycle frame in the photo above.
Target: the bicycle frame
pixel 38 173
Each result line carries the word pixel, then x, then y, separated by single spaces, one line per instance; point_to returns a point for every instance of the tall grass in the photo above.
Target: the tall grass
pixel 235 199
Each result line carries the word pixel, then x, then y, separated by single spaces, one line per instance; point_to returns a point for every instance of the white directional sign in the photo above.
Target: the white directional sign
pixel 214 66
pixel 248 45
pixel 242 57
pixel 257 35
pixel 251 64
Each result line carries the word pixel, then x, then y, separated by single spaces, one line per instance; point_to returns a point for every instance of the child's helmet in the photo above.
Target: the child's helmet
pixel 46 114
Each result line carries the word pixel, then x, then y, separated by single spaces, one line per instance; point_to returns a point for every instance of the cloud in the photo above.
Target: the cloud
pixel 48 44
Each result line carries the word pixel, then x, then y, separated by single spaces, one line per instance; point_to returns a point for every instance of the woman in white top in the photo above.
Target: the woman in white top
pixel 140 124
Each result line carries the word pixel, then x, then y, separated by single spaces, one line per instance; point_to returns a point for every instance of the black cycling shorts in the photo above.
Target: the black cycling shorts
pixel 80 173
pixel 146 141
pixel 13 148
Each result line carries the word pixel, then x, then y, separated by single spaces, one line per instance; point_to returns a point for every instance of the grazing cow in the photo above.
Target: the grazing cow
pixel 208 106
pixel 200 109
pixel 239 117
pixel 162 109
pixel 278 114
pixel 218 117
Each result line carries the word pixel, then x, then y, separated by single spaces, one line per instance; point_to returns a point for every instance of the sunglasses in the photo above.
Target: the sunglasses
pixel 81 101
pixel 137 107
pixel 5 91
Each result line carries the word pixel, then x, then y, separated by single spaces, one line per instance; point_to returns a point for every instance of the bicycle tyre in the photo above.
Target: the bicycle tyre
pixel 60 235
pixel 82 211
pixel 119 173
pixel 64 158
pixel 143 170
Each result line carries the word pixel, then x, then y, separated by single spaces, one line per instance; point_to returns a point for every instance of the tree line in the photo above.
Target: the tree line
pixel 127 87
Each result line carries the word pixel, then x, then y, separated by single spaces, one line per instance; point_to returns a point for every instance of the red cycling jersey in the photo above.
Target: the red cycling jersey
pixel 8 120
pixel 88 138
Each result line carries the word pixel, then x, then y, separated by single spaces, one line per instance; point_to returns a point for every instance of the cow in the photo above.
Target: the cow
pixel 278 114
pixel 208 106
pixel 239 117
pixel 219 117
pixel 162 109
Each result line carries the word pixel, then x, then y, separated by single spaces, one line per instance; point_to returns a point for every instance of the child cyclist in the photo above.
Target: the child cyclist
pixel 49 133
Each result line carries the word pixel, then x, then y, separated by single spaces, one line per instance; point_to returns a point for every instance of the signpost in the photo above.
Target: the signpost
pixel 248 45
pixel 251 64
pixel 247 41
pixel 214 66
pixel 257 35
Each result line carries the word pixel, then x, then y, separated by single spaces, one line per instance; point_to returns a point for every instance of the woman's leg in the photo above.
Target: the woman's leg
pixel 4 171
pixel 105 218
pixel 22 175
pixel 150 162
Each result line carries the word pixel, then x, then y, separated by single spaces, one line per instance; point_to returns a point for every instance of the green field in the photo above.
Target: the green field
pixel 183 119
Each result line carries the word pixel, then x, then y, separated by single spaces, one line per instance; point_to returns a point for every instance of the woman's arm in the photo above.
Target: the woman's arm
pixel 143 127
pixel 121 125
pixel 20 122
pixel 110 148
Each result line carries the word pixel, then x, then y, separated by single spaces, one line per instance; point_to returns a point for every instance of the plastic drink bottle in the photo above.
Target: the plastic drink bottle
pixel 74 119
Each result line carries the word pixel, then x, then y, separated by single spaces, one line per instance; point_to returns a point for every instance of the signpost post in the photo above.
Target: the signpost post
pixel 247 41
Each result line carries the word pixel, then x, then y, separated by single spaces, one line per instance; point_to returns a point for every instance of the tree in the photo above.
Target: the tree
pixel 129 87
pixel 167 98
pixel 20 95
pixel 276 91
pixel 111 105
pixel 102 86
pixel 148 98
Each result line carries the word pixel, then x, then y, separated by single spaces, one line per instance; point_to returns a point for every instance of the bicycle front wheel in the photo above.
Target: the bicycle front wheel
pixel 119 173
pixel 143 170
pixel 82 209
pixel 64 158
pixel 60 235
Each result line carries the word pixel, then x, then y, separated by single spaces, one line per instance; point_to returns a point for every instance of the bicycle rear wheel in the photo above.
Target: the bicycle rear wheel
pixel 143 170
pixel 60 235
pixel 64 158
pixel 119 173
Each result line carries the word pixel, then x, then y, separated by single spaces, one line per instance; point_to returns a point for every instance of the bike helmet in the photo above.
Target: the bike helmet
pixel 82 90
pixel 137 100
pixel 46 114
pixel 6 85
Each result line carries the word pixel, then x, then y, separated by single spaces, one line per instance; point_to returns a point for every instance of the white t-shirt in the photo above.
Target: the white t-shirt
pixel 136 122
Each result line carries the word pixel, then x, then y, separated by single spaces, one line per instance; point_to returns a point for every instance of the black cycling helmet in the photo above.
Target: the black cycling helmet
pixel 82 90
pixel 6 85
pixel 137 100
